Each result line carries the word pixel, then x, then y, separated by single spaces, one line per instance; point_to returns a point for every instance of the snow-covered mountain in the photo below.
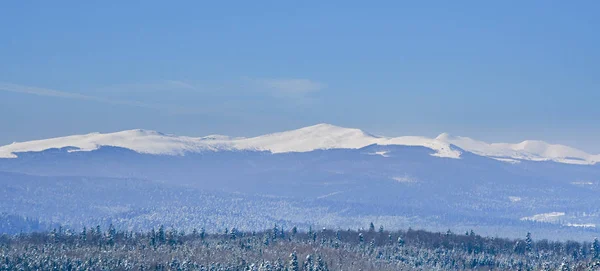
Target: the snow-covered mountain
pixel 533 150
pixel 320 136
pixel 321 175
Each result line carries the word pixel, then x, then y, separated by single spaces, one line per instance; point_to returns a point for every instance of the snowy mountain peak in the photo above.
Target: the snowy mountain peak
pixel 325 129
pixel 137 133
pixel 219 137
pixel 443 137
pixel 320 136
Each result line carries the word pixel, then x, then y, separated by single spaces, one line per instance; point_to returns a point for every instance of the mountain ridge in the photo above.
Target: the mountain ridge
pixel 316 137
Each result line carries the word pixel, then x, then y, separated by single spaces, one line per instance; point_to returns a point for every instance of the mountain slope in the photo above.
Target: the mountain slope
pixel 346 188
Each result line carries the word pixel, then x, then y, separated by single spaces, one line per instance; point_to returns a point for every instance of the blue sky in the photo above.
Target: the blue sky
pixel 502 71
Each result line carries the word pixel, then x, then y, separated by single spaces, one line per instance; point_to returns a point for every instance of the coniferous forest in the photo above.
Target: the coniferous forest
pixel 288 249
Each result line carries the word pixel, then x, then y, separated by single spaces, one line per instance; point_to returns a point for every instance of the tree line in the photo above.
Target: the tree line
pixel 288 250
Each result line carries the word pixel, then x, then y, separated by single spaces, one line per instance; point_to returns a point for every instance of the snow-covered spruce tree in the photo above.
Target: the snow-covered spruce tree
pixel 528 243
pixel 422 251
pixel 84 234
pixel 233 233
pixel 321 264
pixel 595 249
pixel 400 241
pixel 293 265
pixel 564 267
pixel 161 235
pixel 308 265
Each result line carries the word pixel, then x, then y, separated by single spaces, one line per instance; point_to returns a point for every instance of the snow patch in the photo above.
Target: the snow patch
pixel 382 153
pixel 404 179
pixel 546 217
pixel 582 183
pixel 514 199
pixel 329 195
pixel 587 225
pixel 507 160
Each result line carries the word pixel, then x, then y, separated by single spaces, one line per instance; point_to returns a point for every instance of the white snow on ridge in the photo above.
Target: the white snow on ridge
pixel 507 160
pixel 326 136
pixel 546 217
pixel 585 225
pixel 142 141
pixel 320 136
pixel 532 150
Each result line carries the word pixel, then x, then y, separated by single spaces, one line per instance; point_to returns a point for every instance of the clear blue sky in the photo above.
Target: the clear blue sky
pixel 491 70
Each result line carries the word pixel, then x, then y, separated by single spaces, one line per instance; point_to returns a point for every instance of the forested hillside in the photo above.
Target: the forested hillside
pixel 288 249
pixel 346 188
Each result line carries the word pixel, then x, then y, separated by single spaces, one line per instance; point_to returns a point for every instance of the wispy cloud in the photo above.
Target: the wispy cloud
pixel 287 87
pixel 293 86
pixel 53 93
pixel 157 86
pixel 174 109
pixel 231 98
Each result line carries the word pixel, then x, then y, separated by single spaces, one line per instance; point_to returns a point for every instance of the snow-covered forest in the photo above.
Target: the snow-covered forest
pixel 374 248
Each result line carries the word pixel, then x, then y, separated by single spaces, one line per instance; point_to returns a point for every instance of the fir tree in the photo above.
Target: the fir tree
pixel 233 233
pixel 84 234
pixel 528 242
pixel 400 241
pixel 595 249
pixel 308 263
pixel 293 266
pixel 321 264
pixel 161 238
pixel 275 232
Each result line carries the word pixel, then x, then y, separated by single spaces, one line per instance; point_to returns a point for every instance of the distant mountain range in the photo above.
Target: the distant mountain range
pixel 319 176
pixel 317 137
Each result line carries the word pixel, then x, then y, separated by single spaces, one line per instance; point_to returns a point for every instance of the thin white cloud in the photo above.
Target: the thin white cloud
pixel 181 84
pixel 71 95
pixel 287 86
pixel 293 86
pixel 158 86
pixel 53 93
